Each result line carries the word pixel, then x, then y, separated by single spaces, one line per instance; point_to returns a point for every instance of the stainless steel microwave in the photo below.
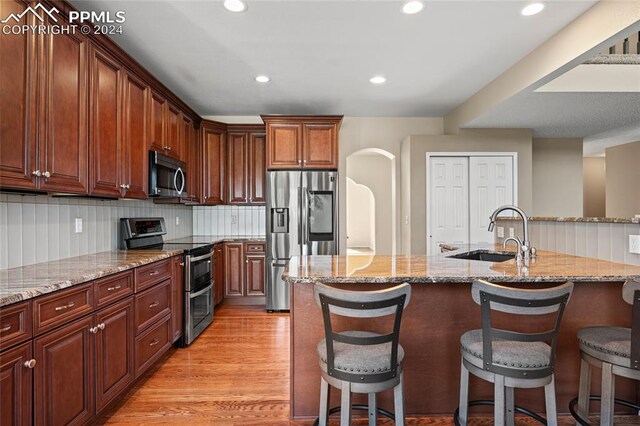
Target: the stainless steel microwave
pixel 167 176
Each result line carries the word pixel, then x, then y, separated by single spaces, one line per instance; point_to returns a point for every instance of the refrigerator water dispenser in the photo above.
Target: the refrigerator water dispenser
pixel 280 220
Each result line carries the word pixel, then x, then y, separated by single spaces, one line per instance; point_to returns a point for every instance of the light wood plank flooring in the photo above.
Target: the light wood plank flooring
pixel 235 373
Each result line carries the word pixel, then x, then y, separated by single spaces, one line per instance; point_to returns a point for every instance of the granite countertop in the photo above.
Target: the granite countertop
pixel 547 267
pixel 30 281
pixel 213 239
pixel 574 219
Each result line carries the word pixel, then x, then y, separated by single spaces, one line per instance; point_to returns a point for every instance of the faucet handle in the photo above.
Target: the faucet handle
pixel 533 251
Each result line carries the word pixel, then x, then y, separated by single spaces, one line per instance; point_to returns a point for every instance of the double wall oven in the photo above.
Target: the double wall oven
pixel 146 233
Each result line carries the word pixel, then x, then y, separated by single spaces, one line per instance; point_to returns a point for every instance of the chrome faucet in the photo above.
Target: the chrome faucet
pixel 525 244
pixel 519 249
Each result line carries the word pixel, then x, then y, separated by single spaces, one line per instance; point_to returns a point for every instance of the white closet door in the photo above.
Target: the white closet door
pixel 491 186
pixel 449 201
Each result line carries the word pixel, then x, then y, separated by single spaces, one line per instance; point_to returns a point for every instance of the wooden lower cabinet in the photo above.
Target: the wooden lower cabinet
pixel 218 274
pixel 244 265
pixel 254 273
pixel 16 385
pixel 65 374
pixel 114 351
pixel 177 304
pixel 233 269
pixel 152 344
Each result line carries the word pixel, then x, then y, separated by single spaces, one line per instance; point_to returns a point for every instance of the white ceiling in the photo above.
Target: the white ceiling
pixel 321 54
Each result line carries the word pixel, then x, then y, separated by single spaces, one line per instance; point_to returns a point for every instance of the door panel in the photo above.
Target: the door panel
pixel 157 129
pixel 449 201
pixel 319 213
pixel 254 275
pixel 257 168
pixel 16 384
pixel 491 186
pixel 320 146
pixel 237 170
pixel 234 269
pixel 285 148
pixel 218 273
pixel 135 154
pixel 283 214
pixel 214 165
pixel 174 121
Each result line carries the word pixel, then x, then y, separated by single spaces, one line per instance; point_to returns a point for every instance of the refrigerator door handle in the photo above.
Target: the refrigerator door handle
pixel 304 220
pixel 300 242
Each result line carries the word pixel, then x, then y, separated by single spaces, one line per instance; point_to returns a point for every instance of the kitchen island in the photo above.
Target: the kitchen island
pixel 440 311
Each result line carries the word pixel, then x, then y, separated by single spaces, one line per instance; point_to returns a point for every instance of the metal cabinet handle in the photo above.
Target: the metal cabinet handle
pixel 30 363
pixel 118 287
pixel 5 328
pixel 93 330
pixel 128 186
pixel 299 161
pixel 36 173
pixel 123 186
pixel 46 175
pixel 101 326
pixel 153 273
pixel 154 342
pixel 154 304
pixel 181 263
pixel 67 306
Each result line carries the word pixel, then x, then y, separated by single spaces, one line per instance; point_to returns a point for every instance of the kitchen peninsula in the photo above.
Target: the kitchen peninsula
pixel 441 310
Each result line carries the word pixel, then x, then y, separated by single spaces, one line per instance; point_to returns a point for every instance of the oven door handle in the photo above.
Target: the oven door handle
pixel 201 292
pixel 199 258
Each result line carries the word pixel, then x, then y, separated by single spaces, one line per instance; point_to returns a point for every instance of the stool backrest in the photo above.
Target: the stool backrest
pixel 519 302
pixel 362 304
pixel 631 295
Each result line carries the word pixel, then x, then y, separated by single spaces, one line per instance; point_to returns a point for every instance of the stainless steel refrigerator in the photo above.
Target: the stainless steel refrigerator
pixel 302 220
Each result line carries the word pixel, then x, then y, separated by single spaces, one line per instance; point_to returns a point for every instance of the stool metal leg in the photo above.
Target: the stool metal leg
pixel 464 395
pixel 325 392
pixel 584 389
pixel 373 410
pixel 550 402
pixel 345 404
pixel 398 400
pixel 608 395
pixel 509 408
pixel 498 408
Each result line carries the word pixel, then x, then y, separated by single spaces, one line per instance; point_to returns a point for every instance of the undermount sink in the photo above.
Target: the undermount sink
pixel 484 256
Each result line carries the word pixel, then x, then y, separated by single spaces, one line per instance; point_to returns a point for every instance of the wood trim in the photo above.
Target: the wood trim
pixel 303 118
pixel 246 128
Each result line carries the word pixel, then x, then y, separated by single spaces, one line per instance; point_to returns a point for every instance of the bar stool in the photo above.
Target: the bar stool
pixel 510 359
pixel 615 350
pixel 361 361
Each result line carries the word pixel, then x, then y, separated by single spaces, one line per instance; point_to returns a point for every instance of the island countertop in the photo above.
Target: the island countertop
pixel 441 268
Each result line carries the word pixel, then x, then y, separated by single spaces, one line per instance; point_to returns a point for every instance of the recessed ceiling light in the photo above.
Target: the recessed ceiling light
pixel 262 79
pixel 235 6
pixel 411 7
pixel 377 79
pixel 532 9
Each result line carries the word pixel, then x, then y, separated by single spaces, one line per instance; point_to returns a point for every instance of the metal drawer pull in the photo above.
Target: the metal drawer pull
pixel 154 304
pixel 154 342
pixel 101 326
pixel 30 364
pixel 93 330
pixel 67 306
pixel 118 287
pixel 5 328
pixel 153 273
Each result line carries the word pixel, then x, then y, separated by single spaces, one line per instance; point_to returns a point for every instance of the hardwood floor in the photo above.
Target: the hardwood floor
pixel 235 373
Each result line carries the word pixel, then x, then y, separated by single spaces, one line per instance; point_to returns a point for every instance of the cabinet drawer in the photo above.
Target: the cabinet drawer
pixel 153 304
pixel 15 324
pixel 151 344
pixel 257 248
pixel 61 307
pixel 113 288
pixel 151 274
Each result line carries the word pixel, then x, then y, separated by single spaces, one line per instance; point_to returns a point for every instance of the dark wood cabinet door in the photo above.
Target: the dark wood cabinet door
pixel 105 100
pixel 193 153
pixel 135 153
pixel 257 168
pixel 18 81
pixel 16 384
pixel 157 121
pixel 218 273
pixel 114 351
pixel 237 170
pixel 64 390
pixel 234 269
pixel 284 148
pixel 177 305
pixel 174 121
pixel 213 144
pixel 320 146
pixel 63 137
pixel 254 275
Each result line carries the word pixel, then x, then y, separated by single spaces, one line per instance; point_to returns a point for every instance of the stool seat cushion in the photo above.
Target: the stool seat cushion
pixel 359 359
pixel 506 353
pixel 608 344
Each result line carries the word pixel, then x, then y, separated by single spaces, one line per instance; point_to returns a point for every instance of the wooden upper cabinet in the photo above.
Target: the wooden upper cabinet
pixel 257 168
pixel 192 148
pixel 308 142
pixel 16 382
pixel 18 145
pixel 62 140
pixel 173 147
pixel 214 156
pixel 237 172
pixel 157 120
pixel 135 158
pixel 105 147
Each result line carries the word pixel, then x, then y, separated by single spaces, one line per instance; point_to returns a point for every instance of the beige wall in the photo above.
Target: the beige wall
pixel 377 172
pixel 594 187
pixel 623 177
pixel 386 133
pixel 557 177
pixel 519 141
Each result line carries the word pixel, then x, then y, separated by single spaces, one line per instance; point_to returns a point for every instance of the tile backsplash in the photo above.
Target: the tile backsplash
pixel 40 228
pixel 229 220
pixel 606 241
